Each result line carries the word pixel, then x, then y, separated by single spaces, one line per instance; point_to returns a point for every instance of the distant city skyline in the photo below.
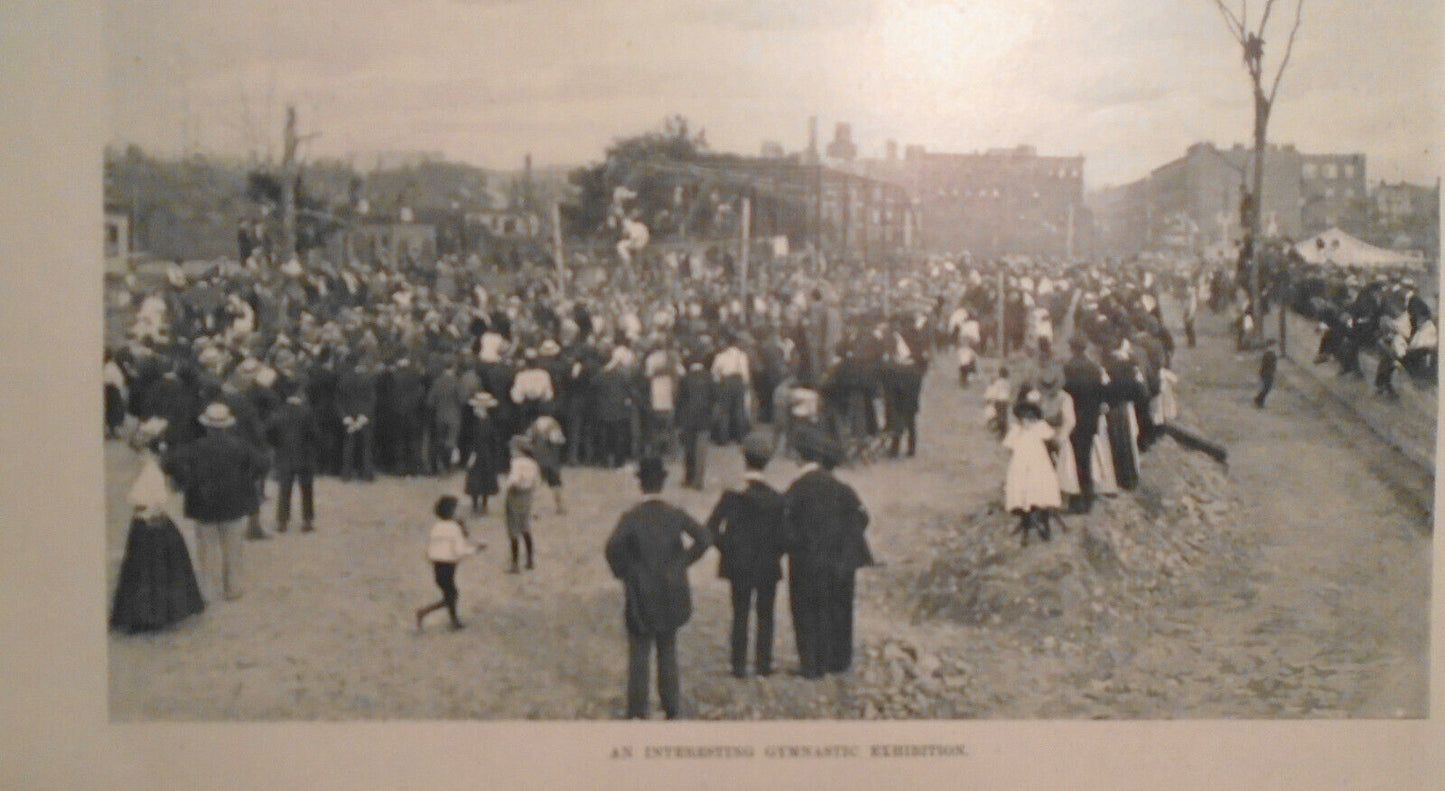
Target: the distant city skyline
pixel 1129 84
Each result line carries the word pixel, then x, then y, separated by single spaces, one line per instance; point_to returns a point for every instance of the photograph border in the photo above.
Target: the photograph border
pixel 54 699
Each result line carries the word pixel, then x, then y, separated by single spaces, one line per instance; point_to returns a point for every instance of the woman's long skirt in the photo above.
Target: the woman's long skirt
pixel 157 582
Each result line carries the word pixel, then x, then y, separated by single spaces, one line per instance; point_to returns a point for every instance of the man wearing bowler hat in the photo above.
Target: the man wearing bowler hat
pixel 825 521
pixel 646 551
pixel 217 474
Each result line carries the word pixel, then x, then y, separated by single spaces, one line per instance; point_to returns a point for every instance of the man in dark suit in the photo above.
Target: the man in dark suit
pixel 402 408
pixel 1084 382
pixel 250 427
pixel 321 394
pixel 579 403
pixel 295 439
pixel 747 527
pixel 218 475
pixel 902 383
pixel 825 523
pixel 647 553
pixel 356 401
pixel 695 396
pixel 613 388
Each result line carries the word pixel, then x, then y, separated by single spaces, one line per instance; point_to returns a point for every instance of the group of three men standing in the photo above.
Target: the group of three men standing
pixel 818 523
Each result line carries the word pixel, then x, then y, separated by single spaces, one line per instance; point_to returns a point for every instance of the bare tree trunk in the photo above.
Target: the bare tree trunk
pixel 1261 124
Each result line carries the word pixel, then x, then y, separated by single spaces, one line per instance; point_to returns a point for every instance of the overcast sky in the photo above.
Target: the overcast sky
pixel 1127 83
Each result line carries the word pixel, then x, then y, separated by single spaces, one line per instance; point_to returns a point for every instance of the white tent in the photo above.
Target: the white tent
pixel 1337 247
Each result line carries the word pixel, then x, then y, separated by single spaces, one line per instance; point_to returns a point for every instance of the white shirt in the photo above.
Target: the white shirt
pixel 972 332
pixel 532 384
pixel 112 375
pixel 492 346
pixel 525 474
pixel 731 361
pixel 998 390
pixel 622 357
pixel 657 364
pixel 805 403
pixel 631 325
pixel 446 543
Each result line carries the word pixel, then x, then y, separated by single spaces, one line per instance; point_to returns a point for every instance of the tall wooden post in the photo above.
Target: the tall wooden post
pixel 1001 350
pixel 1282 307
pixel 1069 235
pixel 818 208
pixel 887 284
pixel 290 142
pixel 557 251
pixel 743 259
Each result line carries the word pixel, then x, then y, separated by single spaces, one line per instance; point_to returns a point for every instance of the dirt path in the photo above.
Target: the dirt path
pixel 1334 615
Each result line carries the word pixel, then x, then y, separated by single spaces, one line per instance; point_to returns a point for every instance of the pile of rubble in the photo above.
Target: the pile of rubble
pixel 1097 564
pixel 894 679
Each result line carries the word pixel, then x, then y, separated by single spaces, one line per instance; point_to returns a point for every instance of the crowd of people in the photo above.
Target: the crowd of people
pixel 355 371
pixel 391 365
pixel 250 370
pixel 1385 315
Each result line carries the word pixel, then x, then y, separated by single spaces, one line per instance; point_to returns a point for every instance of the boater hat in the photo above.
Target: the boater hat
pixel 482 401
pixel 217 415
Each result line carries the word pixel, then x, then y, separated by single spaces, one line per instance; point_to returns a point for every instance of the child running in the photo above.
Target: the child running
pixel 447 545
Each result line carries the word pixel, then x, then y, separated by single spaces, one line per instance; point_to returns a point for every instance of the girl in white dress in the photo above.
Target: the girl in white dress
pixel 1031 485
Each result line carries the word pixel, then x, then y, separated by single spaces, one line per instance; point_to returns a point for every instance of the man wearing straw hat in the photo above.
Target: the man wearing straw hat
pixel 218 474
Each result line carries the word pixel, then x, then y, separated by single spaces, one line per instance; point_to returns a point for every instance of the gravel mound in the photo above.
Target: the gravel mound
pixel 1129 546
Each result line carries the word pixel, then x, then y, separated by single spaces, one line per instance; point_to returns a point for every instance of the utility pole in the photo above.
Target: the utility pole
pixel 743 259
pixel 1002 352
pixel 818 206
pixel 291 141
pixel 1069 235
pixel 558 250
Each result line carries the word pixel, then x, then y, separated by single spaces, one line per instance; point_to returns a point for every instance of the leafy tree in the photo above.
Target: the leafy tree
pixel 650 164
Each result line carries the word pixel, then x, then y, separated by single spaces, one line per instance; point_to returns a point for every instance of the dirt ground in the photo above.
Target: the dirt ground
pixel 1295 585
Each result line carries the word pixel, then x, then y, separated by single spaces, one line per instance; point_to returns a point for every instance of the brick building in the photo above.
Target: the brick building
pixel 1333 193
pixel 998 202
pixel 1192 204
pixel 803 196
pixel 1406 217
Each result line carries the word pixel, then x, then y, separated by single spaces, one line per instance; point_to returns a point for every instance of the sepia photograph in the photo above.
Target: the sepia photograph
pixel 611 394
pixel 841 360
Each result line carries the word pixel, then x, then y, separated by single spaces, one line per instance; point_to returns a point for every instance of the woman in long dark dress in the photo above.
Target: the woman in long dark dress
pixel 1121 393
pixel 157 584
pixel 482 475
